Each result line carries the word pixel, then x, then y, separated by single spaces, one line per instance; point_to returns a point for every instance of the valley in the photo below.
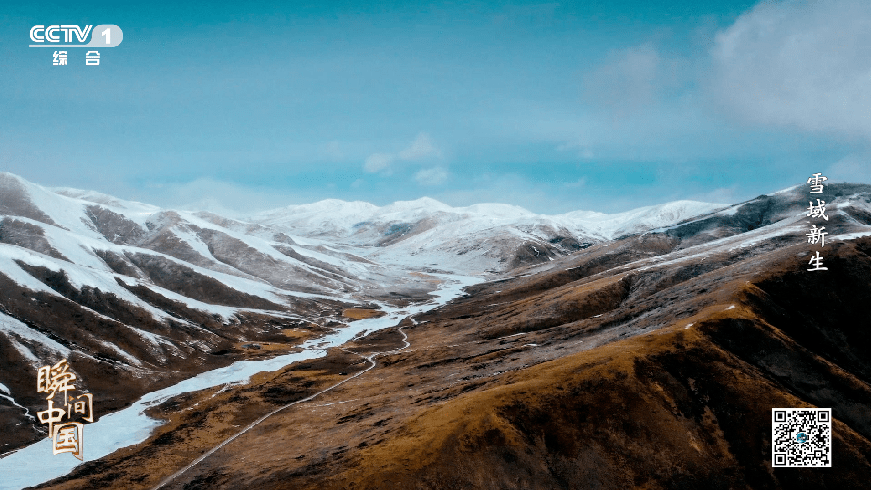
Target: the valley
pixel 648 357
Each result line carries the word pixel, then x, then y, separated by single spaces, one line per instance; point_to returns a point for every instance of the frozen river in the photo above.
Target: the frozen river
pixel 35 464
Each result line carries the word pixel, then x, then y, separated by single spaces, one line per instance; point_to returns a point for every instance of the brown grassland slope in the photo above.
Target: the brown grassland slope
pixel 621 370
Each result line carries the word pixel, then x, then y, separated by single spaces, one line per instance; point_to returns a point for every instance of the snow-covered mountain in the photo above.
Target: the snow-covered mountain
pixel 682 318
pixel 472 239
pixel 140 297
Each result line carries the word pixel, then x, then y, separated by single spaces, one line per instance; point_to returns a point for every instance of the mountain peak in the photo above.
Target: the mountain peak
pixel 9 181
pixel 497 209
pixel 421 204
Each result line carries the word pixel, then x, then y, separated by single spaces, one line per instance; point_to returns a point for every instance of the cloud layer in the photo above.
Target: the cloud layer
pixel 420 150
pixel 431 176
pixel 798 64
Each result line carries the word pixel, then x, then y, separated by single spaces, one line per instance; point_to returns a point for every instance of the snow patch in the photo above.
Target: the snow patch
pixel 850 236
pixel 19 334
pixel 31 466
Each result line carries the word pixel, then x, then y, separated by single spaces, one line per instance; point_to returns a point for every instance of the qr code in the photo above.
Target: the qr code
pixel 801 437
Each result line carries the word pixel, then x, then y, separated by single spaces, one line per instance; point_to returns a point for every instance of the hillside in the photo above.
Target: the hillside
pixel 651 361
pixel 138 298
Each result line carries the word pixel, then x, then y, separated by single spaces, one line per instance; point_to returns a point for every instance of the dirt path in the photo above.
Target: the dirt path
pixel 372 364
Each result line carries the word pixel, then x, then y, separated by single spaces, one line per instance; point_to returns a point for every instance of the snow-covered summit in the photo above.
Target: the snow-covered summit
pixel 341 219
pixel 100 198
pixel 499 210
pixel 473 238
pixel 422 232
pixel 323 217
pixel 640 219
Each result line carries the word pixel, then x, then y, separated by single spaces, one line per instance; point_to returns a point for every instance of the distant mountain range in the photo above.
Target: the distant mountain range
pixel 474 239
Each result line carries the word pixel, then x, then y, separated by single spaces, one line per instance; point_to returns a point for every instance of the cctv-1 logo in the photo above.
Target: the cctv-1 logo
pixel 102 36
pixel 41 34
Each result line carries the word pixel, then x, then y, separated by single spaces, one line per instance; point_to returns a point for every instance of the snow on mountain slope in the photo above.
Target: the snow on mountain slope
pixel 76 225
pixel 341 219
pixel 325 217
pixel 152 295
pixel 18 333
pixel 472 239
pixel 640 219
pixel 148 287
pixel 132 210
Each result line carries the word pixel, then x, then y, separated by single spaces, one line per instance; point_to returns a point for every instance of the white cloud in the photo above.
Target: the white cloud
pixel 626 83
pixel 422 147
pixel 783 66
pixel 377 162
pixel 635 104
pixel 799 64
pixel 431 176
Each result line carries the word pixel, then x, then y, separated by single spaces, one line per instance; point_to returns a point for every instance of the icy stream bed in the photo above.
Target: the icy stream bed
pixel 35 464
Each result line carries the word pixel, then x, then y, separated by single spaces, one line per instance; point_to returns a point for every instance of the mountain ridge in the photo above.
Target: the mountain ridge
pixel 649 361
pixel 139 297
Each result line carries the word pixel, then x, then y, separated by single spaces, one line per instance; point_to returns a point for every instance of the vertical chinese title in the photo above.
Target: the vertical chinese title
pixel 817 236
pixel 66 436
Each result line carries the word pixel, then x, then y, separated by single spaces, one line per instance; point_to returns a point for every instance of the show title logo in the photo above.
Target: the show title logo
pixel 66 436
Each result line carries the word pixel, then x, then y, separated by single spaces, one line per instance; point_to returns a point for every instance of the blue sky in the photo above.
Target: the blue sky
pixel 555 107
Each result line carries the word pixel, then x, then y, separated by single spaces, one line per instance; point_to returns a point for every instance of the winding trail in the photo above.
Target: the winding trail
pixel 372 364
pixel 28 466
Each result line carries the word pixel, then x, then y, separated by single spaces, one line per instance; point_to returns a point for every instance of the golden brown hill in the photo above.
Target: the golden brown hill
pixel 687 406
